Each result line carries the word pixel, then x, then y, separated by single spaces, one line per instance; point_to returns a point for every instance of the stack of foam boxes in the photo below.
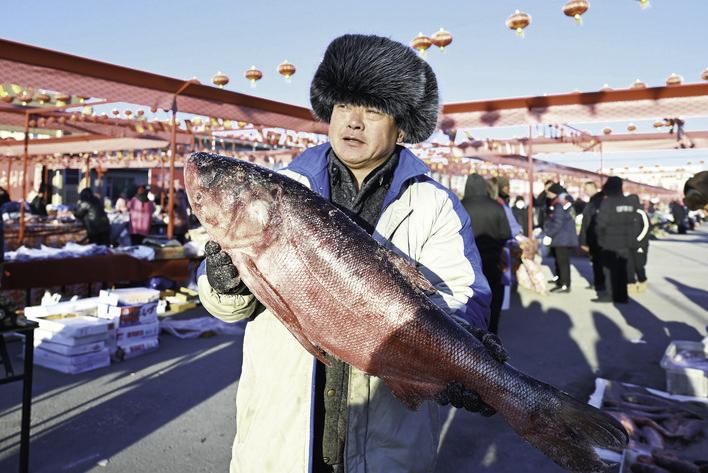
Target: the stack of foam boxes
pixel 70 338
pixel 132 316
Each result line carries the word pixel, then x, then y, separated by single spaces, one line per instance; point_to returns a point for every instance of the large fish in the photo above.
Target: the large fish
pixel 338 291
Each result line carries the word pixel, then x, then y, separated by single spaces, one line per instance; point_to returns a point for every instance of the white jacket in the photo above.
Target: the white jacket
pixel 422 221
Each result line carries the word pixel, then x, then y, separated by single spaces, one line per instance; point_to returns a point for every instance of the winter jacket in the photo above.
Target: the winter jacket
pixel 588 229
pixel 489 221
pixel 559 225
pixel 140 216
pixel 615 223
pixel 93 217
pixel 522 217
pixel 420 220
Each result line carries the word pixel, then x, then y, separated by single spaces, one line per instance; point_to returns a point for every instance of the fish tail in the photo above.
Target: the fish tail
pixel 568 431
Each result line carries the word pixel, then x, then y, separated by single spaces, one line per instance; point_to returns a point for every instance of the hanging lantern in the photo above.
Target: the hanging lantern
pixel 128 113
pixel 43 97
pixel 659 123
pixel 674 79
pixel 421 43
pixel 607 131
pixel 606 88
pixel 575 9
pixel 704 74
pixel 637 84
pixel 220 80
pixel 644 4
pixel 141 113
pixel 441 39
pixel 115 112
pixel 7 98
pixel 518 21
pixel 62 99
pixel 25 96
pixel 253 75
pixel 631 127
pixel 83 98
pixel 286 69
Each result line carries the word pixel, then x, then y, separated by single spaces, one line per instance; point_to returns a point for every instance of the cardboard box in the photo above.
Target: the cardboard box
pixel 133 332
pixel 128 296
pixel 41 334
pixel 79 326
pixel 135 348
pixel 66 309
pixel 72 364
pixel 69 350
pixel 130 314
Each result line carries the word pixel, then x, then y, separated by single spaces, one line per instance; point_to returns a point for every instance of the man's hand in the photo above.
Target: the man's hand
pixel 585 248
pixel 220 271
pixel 457 395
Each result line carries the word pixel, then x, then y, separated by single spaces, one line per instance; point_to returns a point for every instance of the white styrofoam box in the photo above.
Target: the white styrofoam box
pixel 72 364
pixel 130 314
pixel 683 378
pixel 70 308
pixel 128 296
pixel 80 326
pixel 41 334
pixel 134 332
pixel 135 348
pixel 69 350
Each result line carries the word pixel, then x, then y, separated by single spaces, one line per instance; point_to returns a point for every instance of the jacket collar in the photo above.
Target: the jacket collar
pixel 312 163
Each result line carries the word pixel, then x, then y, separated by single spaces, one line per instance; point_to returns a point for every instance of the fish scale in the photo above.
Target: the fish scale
pixel 338 291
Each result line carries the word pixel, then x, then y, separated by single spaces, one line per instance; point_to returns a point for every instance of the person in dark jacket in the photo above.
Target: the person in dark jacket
pixel 90 211
pixel 680 215
pixel 638 249
pixel 491 231
pixel 588 234
pixel 559 227
pixel 38 206
pixel 542 203
pixel 521 213
pixel 615 232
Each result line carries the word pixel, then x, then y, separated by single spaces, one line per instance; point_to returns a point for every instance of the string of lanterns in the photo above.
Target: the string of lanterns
pixel 441 39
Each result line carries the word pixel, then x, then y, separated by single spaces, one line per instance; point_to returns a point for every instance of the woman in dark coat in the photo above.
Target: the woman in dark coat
pixel 559 227
pixel 491 231
pixel 90 211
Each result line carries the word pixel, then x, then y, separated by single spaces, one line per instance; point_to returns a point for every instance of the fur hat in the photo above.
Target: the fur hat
pixel 377 72
pixel 696 191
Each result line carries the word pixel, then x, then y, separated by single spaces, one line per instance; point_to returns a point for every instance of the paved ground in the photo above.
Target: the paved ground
pixel 173 410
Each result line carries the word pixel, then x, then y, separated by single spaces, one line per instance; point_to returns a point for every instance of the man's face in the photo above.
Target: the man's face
pixel 589 190
pixel 362 137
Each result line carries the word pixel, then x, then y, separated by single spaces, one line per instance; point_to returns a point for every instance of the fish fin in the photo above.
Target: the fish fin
pixel 410 272
pixel 410 394
pixel 570 432
pixel 282 311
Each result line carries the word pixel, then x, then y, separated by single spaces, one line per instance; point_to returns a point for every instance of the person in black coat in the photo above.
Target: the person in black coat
pixel 559 228
pixel 639 248
pixel 491 231
pixel 680 215
pixel 588 234
pixel 615 232
pixel 521 213
pixel 90 211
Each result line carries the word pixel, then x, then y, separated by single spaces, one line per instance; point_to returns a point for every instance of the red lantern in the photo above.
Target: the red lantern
pixel 7 98
pixel 253 75
pixel 421 43
pixel 607 131
pixel 62 99
pixel 286 69
pixel 43 97
pixel 518 21
pixel 631 127
pixel 220 80
pixel 576 8
pixel 637 84
pixel 115 112
pixel 441 39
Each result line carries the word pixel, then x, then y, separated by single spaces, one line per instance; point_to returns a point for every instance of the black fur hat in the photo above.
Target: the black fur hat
pixel 381 73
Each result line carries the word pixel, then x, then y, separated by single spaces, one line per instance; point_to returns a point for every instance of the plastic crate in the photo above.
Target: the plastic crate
pixel 681 379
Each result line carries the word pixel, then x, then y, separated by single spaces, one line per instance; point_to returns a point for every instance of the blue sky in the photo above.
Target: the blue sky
pixel 618 42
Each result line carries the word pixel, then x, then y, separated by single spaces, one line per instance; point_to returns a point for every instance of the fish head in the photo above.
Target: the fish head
pixel 235 201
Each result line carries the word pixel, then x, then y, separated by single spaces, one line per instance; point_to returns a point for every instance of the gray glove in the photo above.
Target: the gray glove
pixel 220 271
pixel 457 395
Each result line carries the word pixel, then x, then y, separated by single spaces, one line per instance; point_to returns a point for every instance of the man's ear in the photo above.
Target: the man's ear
pixel 400 137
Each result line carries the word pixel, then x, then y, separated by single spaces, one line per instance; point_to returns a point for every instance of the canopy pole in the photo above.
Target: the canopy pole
pixel 10 159
pixel 173 152
pixel 25 158
pixel 87 173
pixel 529 156
pixel 45 172
pixel 602 170
pixel 162 183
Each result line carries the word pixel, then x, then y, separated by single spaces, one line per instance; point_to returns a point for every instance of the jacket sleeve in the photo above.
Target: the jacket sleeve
pixel 450 261
pixel 80 211
pixel 602 220
pixel 229 308
pixel 511 223
pixel 588 212
pixel 644 223
pixel 553 223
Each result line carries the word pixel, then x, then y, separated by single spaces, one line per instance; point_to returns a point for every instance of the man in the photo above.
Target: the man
pixel 559 231
pixel 491 231
pixel 588 235
pixel 294 414
pixel 615 232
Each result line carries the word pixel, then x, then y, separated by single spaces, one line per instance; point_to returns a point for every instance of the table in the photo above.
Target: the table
pixel 26 327
pixel 90 269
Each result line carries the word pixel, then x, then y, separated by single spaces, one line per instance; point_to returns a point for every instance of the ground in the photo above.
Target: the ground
pixel 173 410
